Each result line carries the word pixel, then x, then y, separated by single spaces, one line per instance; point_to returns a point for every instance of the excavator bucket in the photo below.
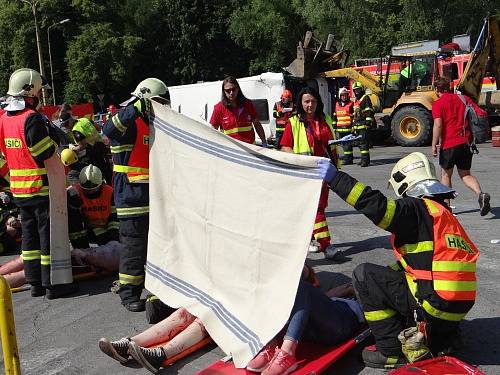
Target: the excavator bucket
pixel 313 57
pixel 485 59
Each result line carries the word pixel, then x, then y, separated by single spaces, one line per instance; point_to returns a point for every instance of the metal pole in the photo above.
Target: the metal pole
pixel 39 48
pixel 8 331
pixel 51 71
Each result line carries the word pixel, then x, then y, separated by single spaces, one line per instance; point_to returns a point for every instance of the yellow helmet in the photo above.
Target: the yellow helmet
pixel 357 85
pixel 25 82
pixel 68 157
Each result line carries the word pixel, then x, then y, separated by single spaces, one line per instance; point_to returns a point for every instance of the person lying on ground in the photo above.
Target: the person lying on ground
pixel 105 258
pixel 180 331
pixel 433 282
pixel 326 319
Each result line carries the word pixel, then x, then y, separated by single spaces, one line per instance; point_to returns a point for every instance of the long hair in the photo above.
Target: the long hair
pixel 319 109
pixel 240 98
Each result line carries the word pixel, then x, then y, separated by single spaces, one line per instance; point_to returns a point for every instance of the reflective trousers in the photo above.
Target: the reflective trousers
pixel 321 232
pixel 363 144
pixel 134 237
pixel 35 246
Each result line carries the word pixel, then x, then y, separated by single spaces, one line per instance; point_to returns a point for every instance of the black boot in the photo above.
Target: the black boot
pixel 37 290
pixel 374 359
pixel 62 290
pixel 135 306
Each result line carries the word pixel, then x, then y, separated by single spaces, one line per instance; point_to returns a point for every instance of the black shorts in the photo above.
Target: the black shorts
pixel 460 155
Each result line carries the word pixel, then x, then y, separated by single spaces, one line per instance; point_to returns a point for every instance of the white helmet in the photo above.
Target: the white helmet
pixel 90 178
pixel 416 176
pixel 343 91
pixel 25 82
pixel 149 88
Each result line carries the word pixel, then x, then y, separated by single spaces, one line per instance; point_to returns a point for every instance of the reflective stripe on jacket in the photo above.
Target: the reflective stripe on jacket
pixel 25 174
pixel 343 113
pixel 453 254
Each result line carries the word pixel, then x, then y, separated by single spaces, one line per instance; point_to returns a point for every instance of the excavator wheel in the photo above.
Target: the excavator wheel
pixel 412 126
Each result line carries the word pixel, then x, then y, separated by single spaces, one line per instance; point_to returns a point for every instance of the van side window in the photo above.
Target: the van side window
pixel 262 108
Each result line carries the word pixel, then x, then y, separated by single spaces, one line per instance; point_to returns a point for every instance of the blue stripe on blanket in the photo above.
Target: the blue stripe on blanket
pixel 234 155
pixel 188 290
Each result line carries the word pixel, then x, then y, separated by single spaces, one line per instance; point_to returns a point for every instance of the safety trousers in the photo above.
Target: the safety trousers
pixel 321 232
pixel 348 154
pixel 387 304
pixel 35 246
pixel 134 235
pixel 364 146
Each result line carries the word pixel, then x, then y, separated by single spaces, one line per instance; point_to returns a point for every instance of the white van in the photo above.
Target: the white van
pixel 198 100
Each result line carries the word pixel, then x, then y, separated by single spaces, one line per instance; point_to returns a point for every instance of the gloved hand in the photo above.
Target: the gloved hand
pixel 142 105
pixel 413 345
pixel 327 170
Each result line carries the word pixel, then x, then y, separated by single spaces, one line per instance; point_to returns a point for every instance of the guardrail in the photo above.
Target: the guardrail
pixel 8 331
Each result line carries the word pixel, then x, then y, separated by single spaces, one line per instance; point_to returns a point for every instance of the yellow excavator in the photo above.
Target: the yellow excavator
pixel 402 91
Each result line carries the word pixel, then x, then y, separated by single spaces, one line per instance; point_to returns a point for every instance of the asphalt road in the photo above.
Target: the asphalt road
pixel 60 336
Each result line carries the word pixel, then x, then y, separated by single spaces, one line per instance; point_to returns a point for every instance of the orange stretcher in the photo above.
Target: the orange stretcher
pixel 313 359
pixel 169 361
pixel 438 366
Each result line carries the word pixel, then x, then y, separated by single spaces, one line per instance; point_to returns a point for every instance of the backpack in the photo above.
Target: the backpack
pixel 479 127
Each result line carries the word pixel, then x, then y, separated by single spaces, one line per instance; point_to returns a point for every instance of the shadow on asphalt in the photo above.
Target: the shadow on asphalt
pixel 94 286
pixel 341 213
pixel 384 161
pixel 482 342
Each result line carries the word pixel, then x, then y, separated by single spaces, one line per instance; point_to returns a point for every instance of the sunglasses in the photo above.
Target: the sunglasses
pixel 232 89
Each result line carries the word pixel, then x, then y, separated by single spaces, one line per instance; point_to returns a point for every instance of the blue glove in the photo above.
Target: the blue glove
pixel 327 170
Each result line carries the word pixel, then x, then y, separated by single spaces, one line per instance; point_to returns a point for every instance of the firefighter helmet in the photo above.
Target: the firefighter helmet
pixel 415 175
pixel 357 85
pixel 286 95
pixel 149 88
pixel 343 91
pixel 68 157
pixel 25 82
pixel 90 178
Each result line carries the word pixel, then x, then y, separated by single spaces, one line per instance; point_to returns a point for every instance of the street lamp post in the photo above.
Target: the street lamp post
pixel 33 4
pixel 50 58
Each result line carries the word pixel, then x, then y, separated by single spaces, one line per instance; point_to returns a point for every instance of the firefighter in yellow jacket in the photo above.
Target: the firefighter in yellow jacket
pixel 433 283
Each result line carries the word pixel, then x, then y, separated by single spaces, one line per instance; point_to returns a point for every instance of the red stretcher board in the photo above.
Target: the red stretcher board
pixel 185 352
pixel 438 366
pixel 313 359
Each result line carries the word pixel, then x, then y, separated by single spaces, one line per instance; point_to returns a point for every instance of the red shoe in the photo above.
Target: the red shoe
pixel 264 358
pixel 282 364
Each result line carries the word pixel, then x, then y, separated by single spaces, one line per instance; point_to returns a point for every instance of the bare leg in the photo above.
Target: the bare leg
pixel 15 279
pixel 12 265
pixel 446 176
pixel 190 336
pixel 469 180
pixel 166 329
pixel 289 346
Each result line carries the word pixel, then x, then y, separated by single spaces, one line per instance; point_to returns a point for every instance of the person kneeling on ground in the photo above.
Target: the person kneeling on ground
pixel 323 319
pixel 433 282
pixel 178 332
pixel 91 210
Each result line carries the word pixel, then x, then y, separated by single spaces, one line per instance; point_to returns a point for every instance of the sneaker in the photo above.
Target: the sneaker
pixel 484 203
pixel 314 247
pixel 282 364
pixel 332 253
pixel 263 359
pixel 374 359
pixel 115 349
pixel 149 358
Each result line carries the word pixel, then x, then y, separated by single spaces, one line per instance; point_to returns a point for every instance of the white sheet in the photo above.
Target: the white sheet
pixel 230 225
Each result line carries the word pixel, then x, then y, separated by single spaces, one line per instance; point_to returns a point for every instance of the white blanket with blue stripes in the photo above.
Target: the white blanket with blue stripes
pixel 230 225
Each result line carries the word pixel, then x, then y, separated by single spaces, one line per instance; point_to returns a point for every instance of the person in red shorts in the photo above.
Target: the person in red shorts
pixel 453 139
pixel 236 115
pixel 308 133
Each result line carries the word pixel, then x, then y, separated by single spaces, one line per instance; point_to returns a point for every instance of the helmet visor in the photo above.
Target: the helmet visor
pixel 430 188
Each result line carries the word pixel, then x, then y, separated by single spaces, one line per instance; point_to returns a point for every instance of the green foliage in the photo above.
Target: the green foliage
pixel 110 45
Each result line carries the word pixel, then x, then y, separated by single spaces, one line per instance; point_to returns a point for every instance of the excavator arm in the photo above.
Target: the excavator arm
pixel 368 80
pixel 486 55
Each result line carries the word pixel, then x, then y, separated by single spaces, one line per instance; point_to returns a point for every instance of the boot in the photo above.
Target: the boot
pixel 374 359
pixel 37 290
pixel 62 290
pixel 135 306
pixel 413 345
